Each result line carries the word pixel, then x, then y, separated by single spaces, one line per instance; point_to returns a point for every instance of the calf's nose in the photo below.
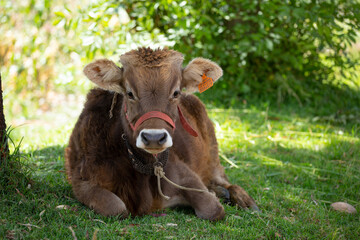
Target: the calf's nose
pixel 152 140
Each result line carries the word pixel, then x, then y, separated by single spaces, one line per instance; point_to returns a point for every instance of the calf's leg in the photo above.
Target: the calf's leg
pixel 101 200
pixel 205 204
pixel 233 194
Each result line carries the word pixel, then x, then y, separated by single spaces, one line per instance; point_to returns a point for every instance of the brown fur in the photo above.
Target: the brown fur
pixel 97 162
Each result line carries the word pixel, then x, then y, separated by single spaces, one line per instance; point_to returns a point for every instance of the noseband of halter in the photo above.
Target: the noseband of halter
pixel 162 116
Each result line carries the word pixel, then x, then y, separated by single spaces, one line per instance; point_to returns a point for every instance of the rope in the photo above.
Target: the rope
pixel 113 105
pixel 159 173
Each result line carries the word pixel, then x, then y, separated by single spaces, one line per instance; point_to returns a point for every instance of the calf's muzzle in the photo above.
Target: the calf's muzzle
pixel 154 140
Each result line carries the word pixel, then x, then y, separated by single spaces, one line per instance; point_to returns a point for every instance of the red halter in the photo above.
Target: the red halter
pixel 163 116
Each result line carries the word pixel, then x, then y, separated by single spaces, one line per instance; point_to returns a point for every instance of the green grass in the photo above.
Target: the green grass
pixel 293 163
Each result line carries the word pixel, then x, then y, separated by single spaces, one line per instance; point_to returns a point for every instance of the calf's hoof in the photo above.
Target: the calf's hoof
pixel 222 193
pixel 239 197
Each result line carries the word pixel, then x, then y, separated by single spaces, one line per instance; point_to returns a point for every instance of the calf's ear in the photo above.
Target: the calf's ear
pixel 194 71
pixel 105 74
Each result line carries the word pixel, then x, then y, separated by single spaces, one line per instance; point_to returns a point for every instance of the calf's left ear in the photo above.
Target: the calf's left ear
pixel 194 71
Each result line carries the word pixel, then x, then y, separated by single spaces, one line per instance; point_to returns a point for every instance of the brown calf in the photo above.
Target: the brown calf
pixel 142 112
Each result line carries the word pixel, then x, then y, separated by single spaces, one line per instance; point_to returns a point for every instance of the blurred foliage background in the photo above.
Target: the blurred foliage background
pixel 279 51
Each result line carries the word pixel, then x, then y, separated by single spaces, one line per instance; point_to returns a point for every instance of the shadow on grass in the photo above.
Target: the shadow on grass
pixel 49 176
pixel 330 172
pixel 298 175
pixel 314 96
pixel 286 158
pixel 293 185
pixel 330 104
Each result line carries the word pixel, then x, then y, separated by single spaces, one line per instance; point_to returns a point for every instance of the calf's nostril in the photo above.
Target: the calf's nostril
pixel 163 138
pixel 144 138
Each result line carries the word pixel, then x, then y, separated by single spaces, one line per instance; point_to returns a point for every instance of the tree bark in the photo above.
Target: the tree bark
pixel 4 150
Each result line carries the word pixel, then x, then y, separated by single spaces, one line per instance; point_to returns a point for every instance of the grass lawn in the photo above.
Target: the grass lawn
pixel 293 163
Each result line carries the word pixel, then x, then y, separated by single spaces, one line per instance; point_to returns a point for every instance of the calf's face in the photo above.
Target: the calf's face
pixel 151 81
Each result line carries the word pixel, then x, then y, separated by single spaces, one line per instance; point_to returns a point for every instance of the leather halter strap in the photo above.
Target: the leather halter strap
pixel 163 116
pixel 154 114
pixel 185 124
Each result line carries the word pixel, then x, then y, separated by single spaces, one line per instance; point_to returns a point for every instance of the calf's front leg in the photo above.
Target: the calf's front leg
pixel 206 204
pixel 100 199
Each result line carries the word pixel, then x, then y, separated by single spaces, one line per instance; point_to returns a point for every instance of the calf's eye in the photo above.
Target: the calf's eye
pixel 176 94
pixel 130 95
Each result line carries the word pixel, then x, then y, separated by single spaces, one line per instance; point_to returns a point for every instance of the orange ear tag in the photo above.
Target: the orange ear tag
pixel 206 83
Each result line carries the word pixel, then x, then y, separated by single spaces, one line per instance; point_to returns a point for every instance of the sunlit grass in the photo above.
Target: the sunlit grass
pixel 291 156
pixel 293 165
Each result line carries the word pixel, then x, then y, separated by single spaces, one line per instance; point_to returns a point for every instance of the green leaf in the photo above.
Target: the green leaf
pixel 269 44
pixel 60 14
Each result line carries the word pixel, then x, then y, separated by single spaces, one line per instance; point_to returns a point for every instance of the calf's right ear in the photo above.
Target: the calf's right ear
pixel 105 74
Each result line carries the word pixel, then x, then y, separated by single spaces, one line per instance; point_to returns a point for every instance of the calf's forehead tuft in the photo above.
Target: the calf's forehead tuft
pixel 147 57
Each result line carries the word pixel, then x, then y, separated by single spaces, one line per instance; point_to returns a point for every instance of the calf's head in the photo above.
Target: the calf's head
pixel 151 81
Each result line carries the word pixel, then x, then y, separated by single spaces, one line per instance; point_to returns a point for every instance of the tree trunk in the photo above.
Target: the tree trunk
pixel 4 150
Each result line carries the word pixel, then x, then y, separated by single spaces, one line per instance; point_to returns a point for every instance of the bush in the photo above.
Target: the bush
pixel 274 48
pixel 45 45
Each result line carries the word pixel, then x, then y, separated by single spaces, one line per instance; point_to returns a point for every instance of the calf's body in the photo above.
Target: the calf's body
pixel 97 158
